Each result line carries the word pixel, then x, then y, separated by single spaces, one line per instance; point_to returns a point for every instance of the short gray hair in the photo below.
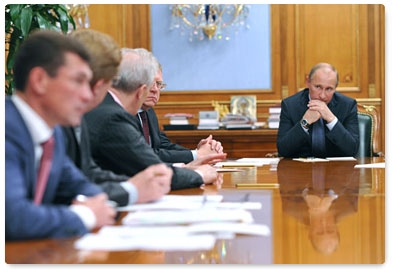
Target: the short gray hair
pixel 138 67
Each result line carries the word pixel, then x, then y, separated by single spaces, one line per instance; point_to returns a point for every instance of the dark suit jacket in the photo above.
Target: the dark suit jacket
pixel 23 219
pixel 342 140
pixel 163 147
pixel 117 144
pixel 80 154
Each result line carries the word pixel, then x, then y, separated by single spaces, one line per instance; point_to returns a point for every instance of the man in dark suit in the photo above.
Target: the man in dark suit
pixel 51 74
pixel 319 103
pixel 163 147
pixel 146 186
pixel 116 141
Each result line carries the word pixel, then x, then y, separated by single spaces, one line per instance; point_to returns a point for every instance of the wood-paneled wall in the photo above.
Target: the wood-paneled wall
pixel 351 37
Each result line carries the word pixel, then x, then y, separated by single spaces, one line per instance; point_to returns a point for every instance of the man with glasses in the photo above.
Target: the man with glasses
pixel 163 147
pixel 114 130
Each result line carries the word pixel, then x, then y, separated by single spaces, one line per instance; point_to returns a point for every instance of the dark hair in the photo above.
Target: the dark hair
pixel 46 49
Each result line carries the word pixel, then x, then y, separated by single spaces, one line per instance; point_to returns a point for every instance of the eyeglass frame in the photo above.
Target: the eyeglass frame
pixel 160 85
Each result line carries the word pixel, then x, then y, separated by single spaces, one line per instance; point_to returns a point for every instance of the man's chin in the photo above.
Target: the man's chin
pixel 149 105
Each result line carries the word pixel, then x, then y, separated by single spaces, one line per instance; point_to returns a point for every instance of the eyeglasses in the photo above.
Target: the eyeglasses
pixel 160 85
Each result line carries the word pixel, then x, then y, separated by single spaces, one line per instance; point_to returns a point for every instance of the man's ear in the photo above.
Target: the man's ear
pixel 307 80
pixel 142 91
pixel 38 80
pixel 99 86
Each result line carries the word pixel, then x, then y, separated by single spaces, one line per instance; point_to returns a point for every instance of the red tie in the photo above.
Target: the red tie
pixel 144 120
pixel 45 167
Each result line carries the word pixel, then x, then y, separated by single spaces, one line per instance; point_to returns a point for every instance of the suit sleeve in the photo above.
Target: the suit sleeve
pixel 292 140
pixel 52 219
pixel 345 135
pixel 118 145
pixel 163 147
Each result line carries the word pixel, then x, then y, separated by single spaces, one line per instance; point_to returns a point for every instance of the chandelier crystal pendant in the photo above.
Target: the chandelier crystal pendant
pixel 80 14
pixel 208 20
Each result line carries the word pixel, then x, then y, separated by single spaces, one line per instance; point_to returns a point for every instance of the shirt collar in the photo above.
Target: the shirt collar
pixel 115 98
pixel 37 127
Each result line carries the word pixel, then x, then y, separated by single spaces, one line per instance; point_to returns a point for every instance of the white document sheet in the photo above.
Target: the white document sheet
pixel 248 162
pixel 260 160
pixel 200 236
pixel 113 242
pixel 371 165
pixel 342 158
pixel 172 217
pixel 171 201
pixel 311 159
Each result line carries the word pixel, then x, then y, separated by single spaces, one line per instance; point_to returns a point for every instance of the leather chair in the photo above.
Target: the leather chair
pixel 369 124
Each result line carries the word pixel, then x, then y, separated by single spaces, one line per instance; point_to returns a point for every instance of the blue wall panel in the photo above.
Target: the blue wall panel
pixel 241 63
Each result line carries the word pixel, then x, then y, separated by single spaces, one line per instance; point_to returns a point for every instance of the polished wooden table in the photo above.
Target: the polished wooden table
pixel 236 143
pixel 318 213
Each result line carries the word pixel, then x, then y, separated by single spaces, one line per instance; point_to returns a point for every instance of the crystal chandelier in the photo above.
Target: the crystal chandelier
pixel 209 20
pixel 80 15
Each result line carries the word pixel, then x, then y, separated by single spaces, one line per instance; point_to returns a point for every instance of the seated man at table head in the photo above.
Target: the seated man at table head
pixel 162 145
pixel 51 75
pixel 117 143
pixel 318 121
pixel 148 185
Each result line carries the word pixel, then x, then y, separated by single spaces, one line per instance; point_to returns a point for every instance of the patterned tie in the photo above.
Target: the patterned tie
pixel 318 139
pixel 45 167
pixel 144 120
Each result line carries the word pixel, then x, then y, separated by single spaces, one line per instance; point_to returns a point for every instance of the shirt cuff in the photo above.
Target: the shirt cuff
pixel 86 215
pixel 200 173
pixel 331 124
pixel 132 190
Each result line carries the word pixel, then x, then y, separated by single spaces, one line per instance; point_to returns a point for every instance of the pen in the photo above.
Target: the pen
pixel 266 185
pixel 82 198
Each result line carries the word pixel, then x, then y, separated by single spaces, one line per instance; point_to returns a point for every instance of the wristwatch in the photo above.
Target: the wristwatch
pixel 305 124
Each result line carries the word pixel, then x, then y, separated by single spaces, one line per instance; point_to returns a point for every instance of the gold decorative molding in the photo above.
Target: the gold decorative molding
pixel 370 101
pixel 369 108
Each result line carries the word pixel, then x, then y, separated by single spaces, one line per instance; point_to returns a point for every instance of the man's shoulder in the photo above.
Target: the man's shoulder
pixel 299 94
pixel 343 98
pixel 13 120
pixel 104 111
pixel 10 109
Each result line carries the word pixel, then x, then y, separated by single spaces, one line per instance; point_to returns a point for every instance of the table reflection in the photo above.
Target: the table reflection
pixel 317 197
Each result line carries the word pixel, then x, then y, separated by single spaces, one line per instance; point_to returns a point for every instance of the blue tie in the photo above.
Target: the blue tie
pixel 318 139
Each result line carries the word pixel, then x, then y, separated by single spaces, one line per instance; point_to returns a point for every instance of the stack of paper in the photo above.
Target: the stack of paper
pixel 177 222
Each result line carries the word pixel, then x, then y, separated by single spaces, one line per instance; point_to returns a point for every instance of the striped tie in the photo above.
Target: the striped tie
pixel 144 120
